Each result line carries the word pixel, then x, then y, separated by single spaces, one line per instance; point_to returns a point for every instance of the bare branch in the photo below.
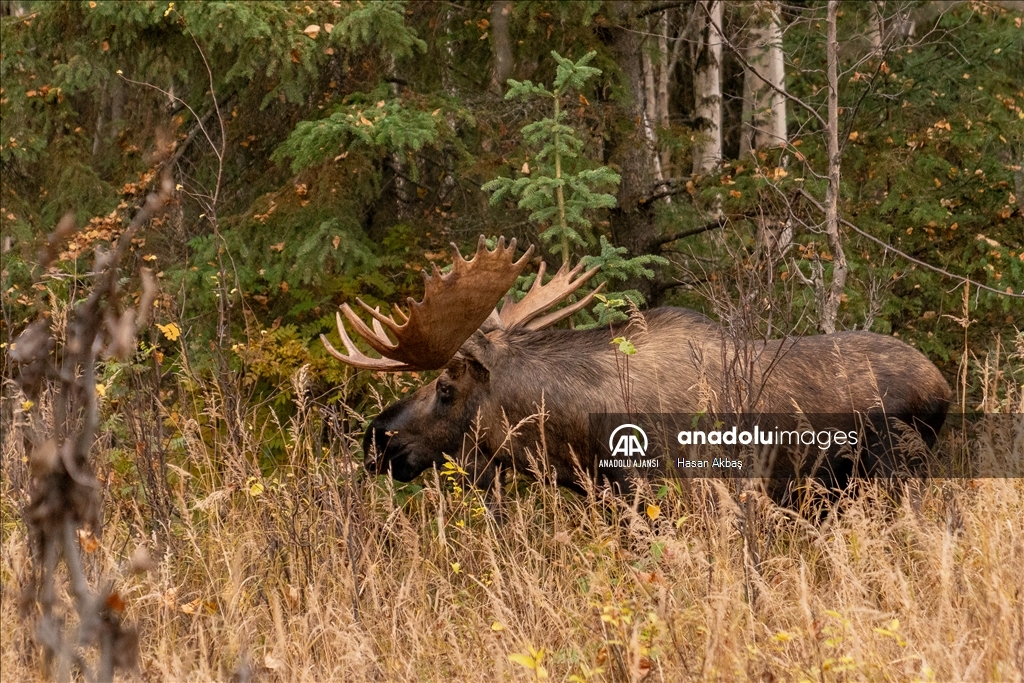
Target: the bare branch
pixel 711 225
pixel 908 257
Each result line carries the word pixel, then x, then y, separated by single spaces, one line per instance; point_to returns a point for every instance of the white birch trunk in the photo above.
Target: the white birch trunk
pixel 775 130
pixel 663 76
pixel 651 114
pixel 707 87
pixel 764 107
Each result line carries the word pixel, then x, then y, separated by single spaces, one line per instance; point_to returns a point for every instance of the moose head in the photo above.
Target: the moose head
pixel 457 328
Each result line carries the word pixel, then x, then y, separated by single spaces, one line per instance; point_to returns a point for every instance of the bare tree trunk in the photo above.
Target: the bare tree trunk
pixel 707 86
pixel 877 27
pixel 500 12
pixel 663 76
pixel 831 298
pixel 764 107
pixel 774 132
pixel 651 113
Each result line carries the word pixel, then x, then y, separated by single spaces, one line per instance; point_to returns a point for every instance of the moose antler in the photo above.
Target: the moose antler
pixel 542 297
pixel 454 306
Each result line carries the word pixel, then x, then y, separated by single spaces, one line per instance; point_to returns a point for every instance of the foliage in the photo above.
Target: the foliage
pixel 347 144
pixel 558 164
pixel 541 189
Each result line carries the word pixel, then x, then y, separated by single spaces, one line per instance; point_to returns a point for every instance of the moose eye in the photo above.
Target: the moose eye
pixel 445 392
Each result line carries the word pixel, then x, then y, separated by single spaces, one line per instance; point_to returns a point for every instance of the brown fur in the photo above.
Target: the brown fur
pixel 684 363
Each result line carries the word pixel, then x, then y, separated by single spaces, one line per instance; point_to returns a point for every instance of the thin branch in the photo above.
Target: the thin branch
pixel 711 225
pixel 660 7
pixel 671 192
pixel 908 257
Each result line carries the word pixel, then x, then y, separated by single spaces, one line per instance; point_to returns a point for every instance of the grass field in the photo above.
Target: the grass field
pixel 317 573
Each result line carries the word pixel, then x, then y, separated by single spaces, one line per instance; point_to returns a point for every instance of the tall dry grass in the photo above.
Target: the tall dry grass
pixel 316 573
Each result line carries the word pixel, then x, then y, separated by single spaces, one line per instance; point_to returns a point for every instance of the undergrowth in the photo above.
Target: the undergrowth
pixel 312 571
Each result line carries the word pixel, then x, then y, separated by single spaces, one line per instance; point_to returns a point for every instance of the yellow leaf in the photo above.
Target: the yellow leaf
pixel 653 511
pixel 170 330
pixel 497 626
pixel 526 167
pixel 27 405
pixel 854 135
pixel 312 31
pixel 101 390
pixel 170 8
pixel 523 660
pixel 735 193
pixel 456 567
pixel 199 606
pixel 256 488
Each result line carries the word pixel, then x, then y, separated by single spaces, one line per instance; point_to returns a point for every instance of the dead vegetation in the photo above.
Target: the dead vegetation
pixel 314 572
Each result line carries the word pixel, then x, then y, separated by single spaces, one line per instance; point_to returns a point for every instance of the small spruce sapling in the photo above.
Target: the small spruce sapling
pixel 562 186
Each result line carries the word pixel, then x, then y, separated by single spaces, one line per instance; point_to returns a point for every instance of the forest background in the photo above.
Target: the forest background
pixel 326 150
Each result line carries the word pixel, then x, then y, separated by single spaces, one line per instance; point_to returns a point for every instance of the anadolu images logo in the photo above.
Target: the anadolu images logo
pixel 628 445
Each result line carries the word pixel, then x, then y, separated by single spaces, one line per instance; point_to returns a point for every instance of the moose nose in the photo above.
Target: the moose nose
pixel 374 442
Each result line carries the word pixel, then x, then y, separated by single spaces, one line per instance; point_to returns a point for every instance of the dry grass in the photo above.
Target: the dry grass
pixel 318 574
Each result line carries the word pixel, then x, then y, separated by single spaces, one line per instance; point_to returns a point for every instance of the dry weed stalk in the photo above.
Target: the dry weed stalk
pixel 63 511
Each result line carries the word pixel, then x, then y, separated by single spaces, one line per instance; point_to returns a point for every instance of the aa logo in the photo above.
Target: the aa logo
pixel 628 441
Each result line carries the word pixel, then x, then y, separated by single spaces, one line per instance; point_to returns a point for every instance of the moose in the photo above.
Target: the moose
pixel 511 382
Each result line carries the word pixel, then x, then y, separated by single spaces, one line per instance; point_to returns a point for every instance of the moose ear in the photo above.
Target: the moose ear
pixel 479 351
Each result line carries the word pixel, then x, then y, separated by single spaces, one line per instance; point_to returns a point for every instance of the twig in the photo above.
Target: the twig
pixel 711 225
pixel 63 490
pixel 908 257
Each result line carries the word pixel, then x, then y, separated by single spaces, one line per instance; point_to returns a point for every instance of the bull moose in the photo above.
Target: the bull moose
pixel 500 367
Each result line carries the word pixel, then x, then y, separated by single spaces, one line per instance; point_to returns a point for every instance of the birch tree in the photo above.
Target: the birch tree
pixel 764 101
pixel 707 87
